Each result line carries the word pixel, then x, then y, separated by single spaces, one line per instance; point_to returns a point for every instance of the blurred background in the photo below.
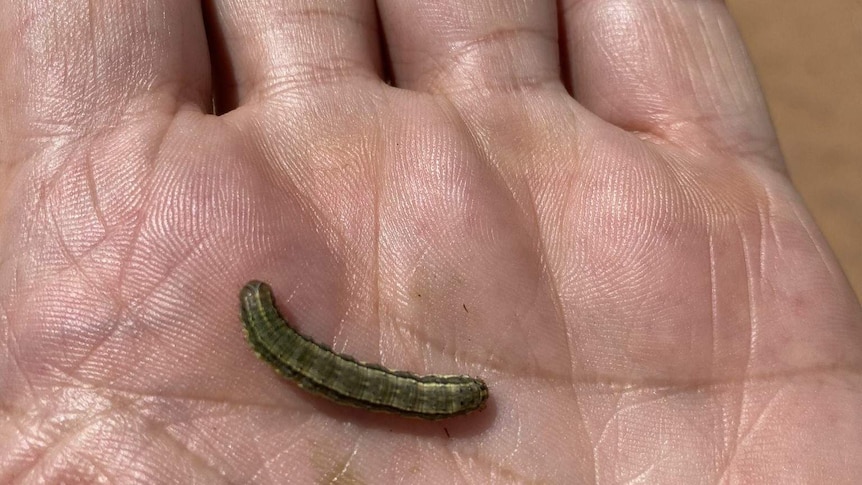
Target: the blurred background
pixel 808 55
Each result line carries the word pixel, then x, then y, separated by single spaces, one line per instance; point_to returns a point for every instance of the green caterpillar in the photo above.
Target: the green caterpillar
pixel 343 379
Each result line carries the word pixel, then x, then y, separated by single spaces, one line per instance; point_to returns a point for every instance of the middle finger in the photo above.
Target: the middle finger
pixel 453 46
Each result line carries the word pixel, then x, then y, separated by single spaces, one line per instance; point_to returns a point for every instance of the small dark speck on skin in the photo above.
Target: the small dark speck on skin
pixel 447 432
pixel 465 307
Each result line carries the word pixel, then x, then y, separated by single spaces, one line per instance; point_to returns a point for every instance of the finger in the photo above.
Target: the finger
pixel 267 48
pixel 451 46
pixel 673 69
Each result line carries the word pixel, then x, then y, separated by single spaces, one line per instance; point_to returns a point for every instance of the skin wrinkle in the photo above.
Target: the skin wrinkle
pixel 466 50
pixel 461 470
pixel 340 332
pixel 376 237
pixel 713 285
pixel 311 77
pixel 29 386
pixel 272 458
pixel 547 271
pixel 752 324
pixel 52 448
pixel 183 448
pixel 716 384
pixel 323 14
pixel 550 278
pixel 74 264
pixel 761 240
pixel 808 231
pixel 611 424
pixel 76 366
pixel 94 194
pixel 761 414
pixel 126 260
pixel 103 475
pixel 771 210
pixel 346 466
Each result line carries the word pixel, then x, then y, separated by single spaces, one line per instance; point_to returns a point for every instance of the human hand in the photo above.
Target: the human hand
pixel 598 223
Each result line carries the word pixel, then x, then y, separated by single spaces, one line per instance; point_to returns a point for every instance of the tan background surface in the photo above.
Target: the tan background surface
pixel 808 55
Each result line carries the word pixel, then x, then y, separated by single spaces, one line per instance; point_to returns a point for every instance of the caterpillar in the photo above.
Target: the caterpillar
pixel 343 379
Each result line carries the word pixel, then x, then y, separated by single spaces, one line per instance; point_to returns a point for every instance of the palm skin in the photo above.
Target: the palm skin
pixel 646 300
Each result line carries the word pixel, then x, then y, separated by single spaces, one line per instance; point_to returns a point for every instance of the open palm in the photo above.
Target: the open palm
pixel 586 207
